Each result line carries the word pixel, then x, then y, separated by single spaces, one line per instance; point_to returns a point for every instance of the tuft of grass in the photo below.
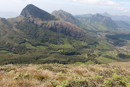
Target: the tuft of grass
pixel 42 75
pixel 61 78
pixel 47 84
pixel 79 72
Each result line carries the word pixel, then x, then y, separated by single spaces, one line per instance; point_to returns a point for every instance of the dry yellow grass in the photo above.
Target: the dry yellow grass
pixel 89 75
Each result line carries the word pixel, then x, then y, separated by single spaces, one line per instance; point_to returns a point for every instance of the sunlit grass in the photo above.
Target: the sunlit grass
pixel 70 75
pixel 105 60
pixel 103 45
pixel 65 45
pixel 28 45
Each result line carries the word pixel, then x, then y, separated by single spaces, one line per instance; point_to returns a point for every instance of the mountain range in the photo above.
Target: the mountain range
pixel 113 17
pixel 98 22
pixel 105 22
pixel 117 17
pixel 36 36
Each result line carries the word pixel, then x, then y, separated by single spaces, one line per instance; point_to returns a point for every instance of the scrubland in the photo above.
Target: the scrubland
pixel 70 75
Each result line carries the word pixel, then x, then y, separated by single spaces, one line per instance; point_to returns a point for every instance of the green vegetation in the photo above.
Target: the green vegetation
pixel 4 52
pixel 119 39
pixel 32 39
pixel 103 45
pixel 105 60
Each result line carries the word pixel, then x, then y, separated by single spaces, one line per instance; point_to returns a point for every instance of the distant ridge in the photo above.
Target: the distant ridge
pixel 117 17
pixel 98 22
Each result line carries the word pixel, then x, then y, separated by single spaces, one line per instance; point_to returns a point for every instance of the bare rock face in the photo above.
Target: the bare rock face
pixel 65 28
pixel 48 21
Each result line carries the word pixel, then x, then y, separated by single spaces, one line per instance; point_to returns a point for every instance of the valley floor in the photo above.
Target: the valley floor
pixel 115 74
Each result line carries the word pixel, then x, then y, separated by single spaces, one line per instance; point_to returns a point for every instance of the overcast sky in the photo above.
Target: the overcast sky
pixel 75 7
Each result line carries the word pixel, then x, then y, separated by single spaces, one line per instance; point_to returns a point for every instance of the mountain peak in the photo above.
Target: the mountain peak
pixel 66 17
pixel 35 12
pixel 30 5
pixel 61 10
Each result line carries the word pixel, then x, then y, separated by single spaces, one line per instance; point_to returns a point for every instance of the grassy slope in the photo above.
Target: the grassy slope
pixel 70 75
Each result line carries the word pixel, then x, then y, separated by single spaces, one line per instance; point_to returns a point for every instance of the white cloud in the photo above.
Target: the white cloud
pixel 99 2
pixel 116 5
pixel 122 9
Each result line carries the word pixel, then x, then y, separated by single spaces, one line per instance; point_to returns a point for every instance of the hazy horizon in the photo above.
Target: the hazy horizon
pixel 75 7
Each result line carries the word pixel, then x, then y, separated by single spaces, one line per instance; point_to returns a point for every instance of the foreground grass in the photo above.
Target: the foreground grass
pixel 70 75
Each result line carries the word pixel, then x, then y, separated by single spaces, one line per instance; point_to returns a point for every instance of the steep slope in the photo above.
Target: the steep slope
pixel 66 28
pixel 67 17
pixel 35 12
